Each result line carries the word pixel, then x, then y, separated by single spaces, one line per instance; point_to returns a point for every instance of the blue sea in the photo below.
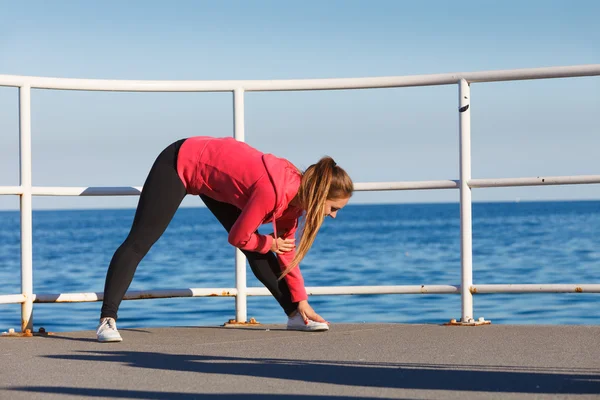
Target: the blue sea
pixel 399 244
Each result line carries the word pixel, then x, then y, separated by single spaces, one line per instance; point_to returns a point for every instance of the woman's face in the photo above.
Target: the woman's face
pixel 332 206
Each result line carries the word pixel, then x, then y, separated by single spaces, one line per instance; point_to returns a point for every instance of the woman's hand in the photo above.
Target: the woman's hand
pixel 281 246
pixel 307 312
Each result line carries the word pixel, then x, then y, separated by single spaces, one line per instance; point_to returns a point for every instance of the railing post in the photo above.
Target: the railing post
pixel 241 314
pixel 466 237
pixel 26 207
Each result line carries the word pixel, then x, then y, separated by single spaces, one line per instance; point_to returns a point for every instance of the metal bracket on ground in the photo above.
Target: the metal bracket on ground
pixel 469 322
pixel 11 333
pixel 232 323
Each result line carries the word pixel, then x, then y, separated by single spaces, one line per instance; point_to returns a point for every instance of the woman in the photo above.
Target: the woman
pixel 243 188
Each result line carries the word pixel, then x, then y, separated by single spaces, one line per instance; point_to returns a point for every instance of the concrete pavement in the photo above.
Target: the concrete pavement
pixel 353 361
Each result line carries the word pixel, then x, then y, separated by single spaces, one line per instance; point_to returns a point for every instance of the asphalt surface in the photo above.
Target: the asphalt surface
pixel 351 361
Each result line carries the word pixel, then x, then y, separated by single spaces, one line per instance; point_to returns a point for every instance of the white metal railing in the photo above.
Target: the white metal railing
pixel 25 190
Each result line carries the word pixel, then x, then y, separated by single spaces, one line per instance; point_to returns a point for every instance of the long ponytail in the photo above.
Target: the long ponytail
pixel 322 181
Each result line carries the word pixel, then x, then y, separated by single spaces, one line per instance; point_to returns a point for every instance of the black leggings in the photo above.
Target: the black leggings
pixel 160 198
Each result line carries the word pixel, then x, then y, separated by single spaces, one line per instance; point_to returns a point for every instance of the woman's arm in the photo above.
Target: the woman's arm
pixel 294 278
pixel 243 233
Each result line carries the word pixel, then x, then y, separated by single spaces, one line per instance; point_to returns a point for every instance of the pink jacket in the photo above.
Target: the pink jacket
pixel 261 185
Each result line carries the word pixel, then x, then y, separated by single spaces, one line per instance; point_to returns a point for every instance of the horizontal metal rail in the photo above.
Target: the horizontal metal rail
pixel 12 299
pixel 536 288
pixel 362 186
pixel 75 191
pixel 313 291
pixel 537 181
pixel 298 84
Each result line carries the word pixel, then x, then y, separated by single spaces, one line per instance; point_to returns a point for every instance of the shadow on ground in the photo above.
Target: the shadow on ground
pixel 501 379
pixel 139 394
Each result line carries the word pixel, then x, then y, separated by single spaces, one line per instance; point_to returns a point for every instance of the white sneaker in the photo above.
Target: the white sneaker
pixel 107 331
pixel 296 323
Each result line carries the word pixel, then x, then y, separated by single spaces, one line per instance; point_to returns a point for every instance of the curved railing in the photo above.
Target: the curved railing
pixel 466 289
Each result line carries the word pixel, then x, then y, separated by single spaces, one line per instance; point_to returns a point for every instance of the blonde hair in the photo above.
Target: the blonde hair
pixel 322 181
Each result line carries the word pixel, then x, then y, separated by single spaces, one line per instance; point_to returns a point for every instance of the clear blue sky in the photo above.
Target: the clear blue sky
pixel 520 129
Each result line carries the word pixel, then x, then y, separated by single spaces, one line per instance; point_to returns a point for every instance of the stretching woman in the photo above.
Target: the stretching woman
pixel 243 188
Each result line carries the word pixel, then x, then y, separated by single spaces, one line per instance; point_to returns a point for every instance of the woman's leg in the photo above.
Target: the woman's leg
pixel 161 196
pixel 264 266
